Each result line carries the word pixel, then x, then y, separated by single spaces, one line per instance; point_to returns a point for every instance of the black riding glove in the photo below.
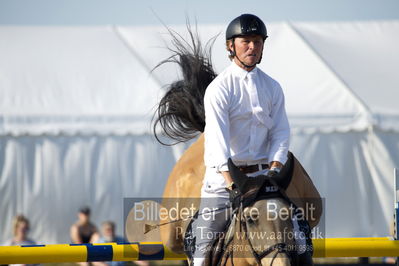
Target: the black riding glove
pixel 234 196
pixel 273 172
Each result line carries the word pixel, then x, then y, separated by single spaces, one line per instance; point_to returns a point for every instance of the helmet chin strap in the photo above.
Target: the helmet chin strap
pixel 234 54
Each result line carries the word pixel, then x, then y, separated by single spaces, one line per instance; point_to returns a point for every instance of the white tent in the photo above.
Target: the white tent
pixel 76 106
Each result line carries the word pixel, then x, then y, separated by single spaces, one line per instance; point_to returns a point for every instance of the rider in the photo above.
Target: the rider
pixel 245 121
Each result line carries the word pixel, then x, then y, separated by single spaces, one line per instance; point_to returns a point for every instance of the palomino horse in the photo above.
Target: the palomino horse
pixel 185 183
pixel 180 114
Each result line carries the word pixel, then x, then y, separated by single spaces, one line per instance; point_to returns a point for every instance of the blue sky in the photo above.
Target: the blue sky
pixel 134 12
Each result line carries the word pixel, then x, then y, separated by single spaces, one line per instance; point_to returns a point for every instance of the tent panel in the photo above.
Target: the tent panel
pixel 358 200
pixel 49 178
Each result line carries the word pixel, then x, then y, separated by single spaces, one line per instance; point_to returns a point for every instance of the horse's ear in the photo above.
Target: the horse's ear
pixel 239 178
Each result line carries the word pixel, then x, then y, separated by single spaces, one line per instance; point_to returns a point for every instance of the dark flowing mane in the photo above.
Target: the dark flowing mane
pixel 180 113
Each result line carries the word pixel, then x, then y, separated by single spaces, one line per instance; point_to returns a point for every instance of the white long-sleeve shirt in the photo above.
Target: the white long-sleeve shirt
pixel 245 119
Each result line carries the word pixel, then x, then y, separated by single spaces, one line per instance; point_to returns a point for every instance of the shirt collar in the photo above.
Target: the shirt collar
pixel 240 72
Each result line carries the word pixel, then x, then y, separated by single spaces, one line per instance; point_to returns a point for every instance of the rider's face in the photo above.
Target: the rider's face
pixel 248 50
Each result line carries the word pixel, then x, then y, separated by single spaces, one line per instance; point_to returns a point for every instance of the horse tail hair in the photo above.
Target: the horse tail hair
pixel 180 113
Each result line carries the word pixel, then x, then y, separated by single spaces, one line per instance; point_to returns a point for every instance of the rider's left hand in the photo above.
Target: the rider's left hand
pixel 234 196
pixel 273 172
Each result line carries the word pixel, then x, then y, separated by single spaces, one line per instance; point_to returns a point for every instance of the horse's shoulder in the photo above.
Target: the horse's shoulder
pixel 303 191
pixel 303 180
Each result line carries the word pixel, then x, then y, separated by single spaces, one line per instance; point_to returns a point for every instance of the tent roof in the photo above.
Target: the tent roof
pixel 68 80
pixel 336 76
pixel 364 56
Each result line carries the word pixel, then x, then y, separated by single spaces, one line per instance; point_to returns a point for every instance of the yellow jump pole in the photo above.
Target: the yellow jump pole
pixel 330 247
pixel 86 252
pixel 356 247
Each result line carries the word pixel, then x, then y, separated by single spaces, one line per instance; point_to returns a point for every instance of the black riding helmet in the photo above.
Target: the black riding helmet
pixel 246 24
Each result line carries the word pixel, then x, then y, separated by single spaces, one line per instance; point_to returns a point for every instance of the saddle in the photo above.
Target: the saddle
pixel 260 187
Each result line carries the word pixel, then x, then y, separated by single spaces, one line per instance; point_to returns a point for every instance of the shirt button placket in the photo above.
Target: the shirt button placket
pixel 252 95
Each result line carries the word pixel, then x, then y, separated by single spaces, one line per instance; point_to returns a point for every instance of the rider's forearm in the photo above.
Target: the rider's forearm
pixel 227 177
